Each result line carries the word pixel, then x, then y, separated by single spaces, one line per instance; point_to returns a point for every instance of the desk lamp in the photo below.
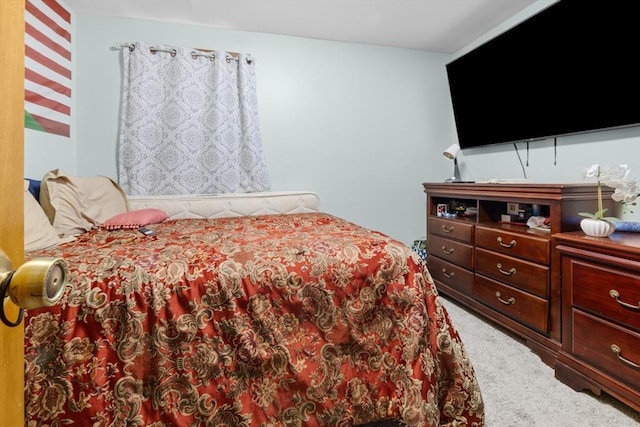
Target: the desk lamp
pixel 452 153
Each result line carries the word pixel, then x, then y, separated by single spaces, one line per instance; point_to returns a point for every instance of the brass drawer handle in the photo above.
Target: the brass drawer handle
pixel 617 351
pixel 447 229
pixel 448 275
pixel 510 301
pixel 511 271
pixel 447 251
pixel 616 296
pixel 511 244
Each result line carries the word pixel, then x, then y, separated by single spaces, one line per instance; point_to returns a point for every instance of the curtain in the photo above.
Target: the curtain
pixel 189 122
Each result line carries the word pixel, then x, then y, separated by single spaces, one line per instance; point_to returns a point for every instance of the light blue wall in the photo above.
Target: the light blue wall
pixel 44 151
pixel 362 126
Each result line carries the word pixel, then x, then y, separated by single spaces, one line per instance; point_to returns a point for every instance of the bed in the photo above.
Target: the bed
pixel 244 310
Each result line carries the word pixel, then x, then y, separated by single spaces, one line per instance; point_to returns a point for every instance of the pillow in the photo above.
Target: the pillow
pixel 34 188
pixel 75 205
pixel 135 219
pixel 38 231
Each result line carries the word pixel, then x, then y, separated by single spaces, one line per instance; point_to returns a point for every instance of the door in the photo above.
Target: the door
pixel 12 199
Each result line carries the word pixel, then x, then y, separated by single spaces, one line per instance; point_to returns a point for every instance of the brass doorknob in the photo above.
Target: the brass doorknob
pixel 39 282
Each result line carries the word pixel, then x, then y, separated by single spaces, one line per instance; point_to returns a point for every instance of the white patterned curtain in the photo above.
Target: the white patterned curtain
pixel 189 122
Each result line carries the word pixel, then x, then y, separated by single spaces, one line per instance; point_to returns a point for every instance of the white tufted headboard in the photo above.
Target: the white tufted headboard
pixel 227 205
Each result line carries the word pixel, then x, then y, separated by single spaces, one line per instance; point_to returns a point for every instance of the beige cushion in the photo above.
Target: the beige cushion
pixel 38 231
pixel 75 205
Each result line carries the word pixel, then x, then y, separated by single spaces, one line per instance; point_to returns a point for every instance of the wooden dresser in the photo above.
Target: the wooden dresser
pixel 601 314
pixel 503 270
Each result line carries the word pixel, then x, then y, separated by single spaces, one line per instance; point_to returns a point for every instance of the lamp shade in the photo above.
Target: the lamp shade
pixel 452 151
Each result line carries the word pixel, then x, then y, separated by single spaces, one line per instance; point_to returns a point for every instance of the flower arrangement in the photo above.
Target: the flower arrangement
pixel 617 177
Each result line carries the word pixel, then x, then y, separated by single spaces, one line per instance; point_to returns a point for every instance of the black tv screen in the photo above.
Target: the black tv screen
pixel 571 68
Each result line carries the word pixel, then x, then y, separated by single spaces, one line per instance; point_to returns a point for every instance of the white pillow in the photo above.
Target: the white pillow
pixel 75 205
pixel 38 231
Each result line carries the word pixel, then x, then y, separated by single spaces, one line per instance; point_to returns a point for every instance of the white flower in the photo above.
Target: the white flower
pixel 591 172
pixel 621 196
pixel 625 192
pixel 617 177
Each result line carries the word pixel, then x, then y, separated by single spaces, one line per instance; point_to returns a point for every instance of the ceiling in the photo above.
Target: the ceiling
pixel 431 25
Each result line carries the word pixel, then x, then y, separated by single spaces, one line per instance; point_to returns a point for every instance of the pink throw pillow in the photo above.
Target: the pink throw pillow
pixel 135 219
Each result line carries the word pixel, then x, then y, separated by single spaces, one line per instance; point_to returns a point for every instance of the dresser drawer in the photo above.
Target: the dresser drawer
pixel 607 346
pixel 526 246
pixel 451 228
pixel 610 292
pixel 525 275
pixel 521 306
pixel 453 251
pixel 450 275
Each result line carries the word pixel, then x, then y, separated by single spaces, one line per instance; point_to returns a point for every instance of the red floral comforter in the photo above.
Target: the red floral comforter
pixel 280 320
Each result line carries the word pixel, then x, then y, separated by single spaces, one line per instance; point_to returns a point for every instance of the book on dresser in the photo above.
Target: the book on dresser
pixel 488 251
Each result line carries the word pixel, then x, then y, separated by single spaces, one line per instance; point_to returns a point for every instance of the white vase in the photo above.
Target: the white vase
pixel 597 227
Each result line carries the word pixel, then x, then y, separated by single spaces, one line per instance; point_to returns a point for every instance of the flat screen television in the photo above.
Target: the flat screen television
pixel 573 67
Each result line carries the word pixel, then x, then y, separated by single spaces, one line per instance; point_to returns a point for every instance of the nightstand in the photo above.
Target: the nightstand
pixel 601 314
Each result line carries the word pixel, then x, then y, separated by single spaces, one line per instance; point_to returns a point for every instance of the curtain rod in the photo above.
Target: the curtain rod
pixel 207 53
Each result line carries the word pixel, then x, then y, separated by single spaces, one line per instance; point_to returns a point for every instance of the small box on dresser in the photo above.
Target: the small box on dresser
pixel 601 314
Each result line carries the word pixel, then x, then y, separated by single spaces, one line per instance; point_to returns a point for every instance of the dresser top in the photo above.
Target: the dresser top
pixel 626 243
pixel 505 191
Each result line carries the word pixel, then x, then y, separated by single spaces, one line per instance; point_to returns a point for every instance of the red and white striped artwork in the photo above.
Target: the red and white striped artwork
pixel 47 66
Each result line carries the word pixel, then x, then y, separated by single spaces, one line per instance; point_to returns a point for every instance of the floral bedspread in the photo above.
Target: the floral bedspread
pixel 278 320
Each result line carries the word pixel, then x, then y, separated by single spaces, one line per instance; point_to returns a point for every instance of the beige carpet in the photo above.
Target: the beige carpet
pixel 519 390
